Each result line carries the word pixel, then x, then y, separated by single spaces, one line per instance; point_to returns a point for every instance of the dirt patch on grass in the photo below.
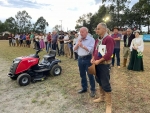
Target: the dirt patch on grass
pixel 130 90
pixel 40 97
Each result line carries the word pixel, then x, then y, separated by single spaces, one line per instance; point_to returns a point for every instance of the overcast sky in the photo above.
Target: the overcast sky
pixel 52 10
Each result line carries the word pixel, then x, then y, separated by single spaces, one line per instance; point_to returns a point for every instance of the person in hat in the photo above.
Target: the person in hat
pixel 117 37
pixel 127 39
pixel 136 48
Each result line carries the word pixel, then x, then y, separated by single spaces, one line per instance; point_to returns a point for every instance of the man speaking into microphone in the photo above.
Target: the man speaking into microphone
pixel 84 48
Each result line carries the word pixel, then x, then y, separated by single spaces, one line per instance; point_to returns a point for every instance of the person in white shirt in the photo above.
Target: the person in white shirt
pixel 66 48
pixel 136 48
pixel 17 39
pixel 74 43
pixel 37 41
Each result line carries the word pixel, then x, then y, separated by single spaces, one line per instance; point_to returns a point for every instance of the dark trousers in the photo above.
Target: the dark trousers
pixel 46 45
pixel 37 45
pixel 54 46
pixel 57 48
pixel 10 42
pixel 61 51
pixel 71 52
pixel 117 54
pixel 83 64
pixel 103 76
pixel 75 55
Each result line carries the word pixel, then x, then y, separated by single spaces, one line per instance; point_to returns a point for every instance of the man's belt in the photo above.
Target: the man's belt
pixel 85 56
pixel 66 43
pixel 106 62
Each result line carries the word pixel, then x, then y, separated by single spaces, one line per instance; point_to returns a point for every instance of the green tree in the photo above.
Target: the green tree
pixel 40 25
pixel 57 27
pixel 98 17
pixel 145 9
pixel 2 27
pixel 22 20
pixel 84 20
pixel 117 6
pixel 11 25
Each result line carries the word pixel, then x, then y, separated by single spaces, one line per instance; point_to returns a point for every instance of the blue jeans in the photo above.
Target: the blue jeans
pixel 83 64
pixel 54 46
pixel 48 46
pixel 117 54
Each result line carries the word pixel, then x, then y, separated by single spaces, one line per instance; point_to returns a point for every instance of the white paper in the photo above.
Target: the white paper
pixel 102 49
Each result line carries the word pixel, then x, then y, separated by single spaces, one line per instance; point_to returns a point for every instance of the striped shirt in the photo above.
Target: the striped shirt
pixel 87 42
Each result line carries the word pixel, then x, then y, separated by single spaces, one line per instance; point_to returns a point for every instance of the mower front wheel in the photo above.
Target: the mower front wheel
pixel 24 79
pixel 13 78
pixel 56 70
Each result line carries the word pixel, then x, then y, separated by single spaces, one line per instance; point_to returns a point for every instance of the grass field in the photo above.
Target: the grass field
pixel 131 90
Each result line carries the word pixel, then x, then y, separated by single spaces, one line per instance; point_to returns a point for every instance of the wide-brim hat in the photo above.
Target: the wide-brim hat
pixel 116 28
pixel 65 32
pixel 137 31
pixel 92 70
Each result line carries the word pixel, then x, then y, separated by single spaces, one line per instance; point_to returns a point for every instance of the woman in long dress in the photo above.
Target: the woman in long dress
pixel 136 47
pixel 42 44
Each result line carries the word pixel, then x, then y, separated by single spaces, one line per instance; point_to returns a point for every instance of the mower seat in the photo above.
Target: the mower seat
pixel 51 55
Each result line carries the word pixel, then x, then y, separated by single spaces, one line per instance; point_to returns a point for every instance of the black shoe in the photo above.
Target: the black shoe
pixel 92 94
pixel 82 91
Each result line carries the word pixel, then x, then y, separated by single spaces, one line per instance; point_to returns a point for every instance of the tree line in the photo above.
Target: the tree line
pixel 119 14
pixel 22 23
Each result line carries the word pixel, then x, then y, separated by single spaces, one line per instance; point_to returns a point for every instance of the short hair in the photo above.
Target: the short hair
pixel 129 29
pixel 103 25
pixel 85 28
pixel 55 31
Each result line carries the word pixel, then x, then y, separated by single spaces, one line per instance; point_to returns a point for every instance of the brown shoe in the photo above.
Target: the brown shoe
pixel 124 62
pixel 108 102
pixel 119 67
pixel 101 97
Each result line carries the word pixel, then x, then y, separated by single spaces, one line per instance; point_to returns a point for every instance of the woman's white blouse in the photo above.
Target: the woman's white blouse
pixel 138 43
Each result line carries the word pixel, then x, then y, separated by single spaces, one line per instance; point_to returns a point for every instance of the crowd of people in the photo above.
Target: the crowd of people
pixel 61 42
pixel 100 52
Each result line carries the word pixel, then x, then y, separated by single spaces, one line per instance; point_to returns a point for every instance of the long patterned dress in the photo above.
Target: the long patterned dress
pixel 42 44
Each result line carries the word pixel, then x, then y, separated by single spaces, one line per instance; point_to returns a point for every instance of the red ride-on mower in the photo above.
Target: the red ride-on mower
pixel 26 69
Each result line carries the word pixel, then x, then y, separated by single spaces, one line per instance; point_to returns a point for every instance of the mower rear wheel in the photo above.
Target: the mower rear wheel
pixel 56 70
pixel 24 79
